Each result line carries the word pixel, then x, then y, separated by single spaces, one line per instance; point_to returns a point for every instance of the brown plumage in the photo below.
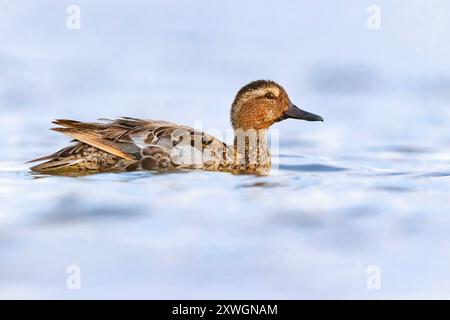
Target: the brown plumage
pixel 129 144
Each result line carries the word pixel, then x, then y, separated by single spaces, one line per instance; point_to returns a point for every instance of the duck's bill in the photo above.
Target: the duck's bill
pixel 297 113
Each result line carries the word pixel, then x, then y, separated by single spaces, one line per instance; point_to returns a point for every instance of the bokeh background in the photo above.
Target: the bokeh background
pixel 369 186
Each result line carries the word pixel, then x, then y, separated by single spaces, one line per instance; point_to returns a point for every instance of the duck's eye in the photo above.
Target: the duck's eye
pixel 270 95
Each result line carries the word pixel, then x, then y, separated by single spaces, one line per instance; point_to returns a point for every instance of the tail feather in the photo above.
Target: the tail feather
pixel 55 166
pixel 61 160
pixel 96 147
pixel 51 156
pixel 67 151
pixel 73 124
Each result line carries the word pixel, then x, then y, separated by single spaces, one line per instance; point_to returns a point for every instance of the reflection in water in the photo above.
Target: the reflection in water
pixel 439 174
pixel 407 149
pixel 305 220
pixel 312 168
pixel 261 184
pixel 393 188
pixel 71 209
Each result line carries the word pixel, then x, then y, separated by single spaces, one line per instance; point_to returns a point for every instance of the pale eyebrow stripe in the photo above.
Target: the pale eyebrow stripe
pixel 262 91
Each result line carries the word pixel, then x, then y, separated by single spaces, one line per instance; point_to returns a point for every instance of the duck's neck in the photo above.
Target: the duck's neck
pixel 251 149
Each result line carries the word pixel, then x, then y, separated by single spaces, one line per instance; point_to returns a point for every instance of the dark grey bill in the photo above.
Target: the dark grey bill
pixel 297 113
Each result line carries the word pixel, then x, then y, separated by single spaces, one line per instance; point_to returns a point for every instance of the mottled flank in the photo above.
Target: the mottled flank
pixel 258 105
pixel 129 144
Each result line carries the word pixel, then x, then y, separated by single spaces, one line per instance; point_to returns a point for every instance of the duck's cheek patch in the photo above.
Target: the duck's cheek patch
pixel 269 115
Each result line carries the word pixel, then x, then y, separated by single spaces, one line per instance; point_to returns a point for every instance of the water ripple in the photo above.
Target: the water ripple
pixel 314 167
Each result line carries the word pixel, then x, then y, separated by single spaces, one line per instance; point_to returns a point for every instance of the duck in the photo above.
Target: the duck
pixel 130 144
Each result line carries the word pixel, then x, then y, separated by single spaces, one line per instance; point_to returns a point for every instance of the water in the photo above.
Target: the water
pixel 368 187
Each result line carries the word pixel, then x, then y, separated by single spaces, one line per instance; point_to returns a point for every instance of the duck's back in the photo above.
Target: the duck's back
pixel 128 144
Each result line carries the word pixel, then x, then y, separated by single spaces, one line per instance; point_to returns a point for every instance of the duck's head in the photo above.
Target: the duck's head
pixel 262 103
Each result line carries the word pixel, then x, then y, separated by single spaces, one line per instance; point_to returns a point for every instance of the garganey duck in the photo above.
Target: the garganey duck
pixel 128 144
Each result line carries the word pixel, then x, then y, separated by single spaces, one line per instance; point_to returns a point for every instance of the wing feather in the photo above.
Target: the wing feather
pixel 95 140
